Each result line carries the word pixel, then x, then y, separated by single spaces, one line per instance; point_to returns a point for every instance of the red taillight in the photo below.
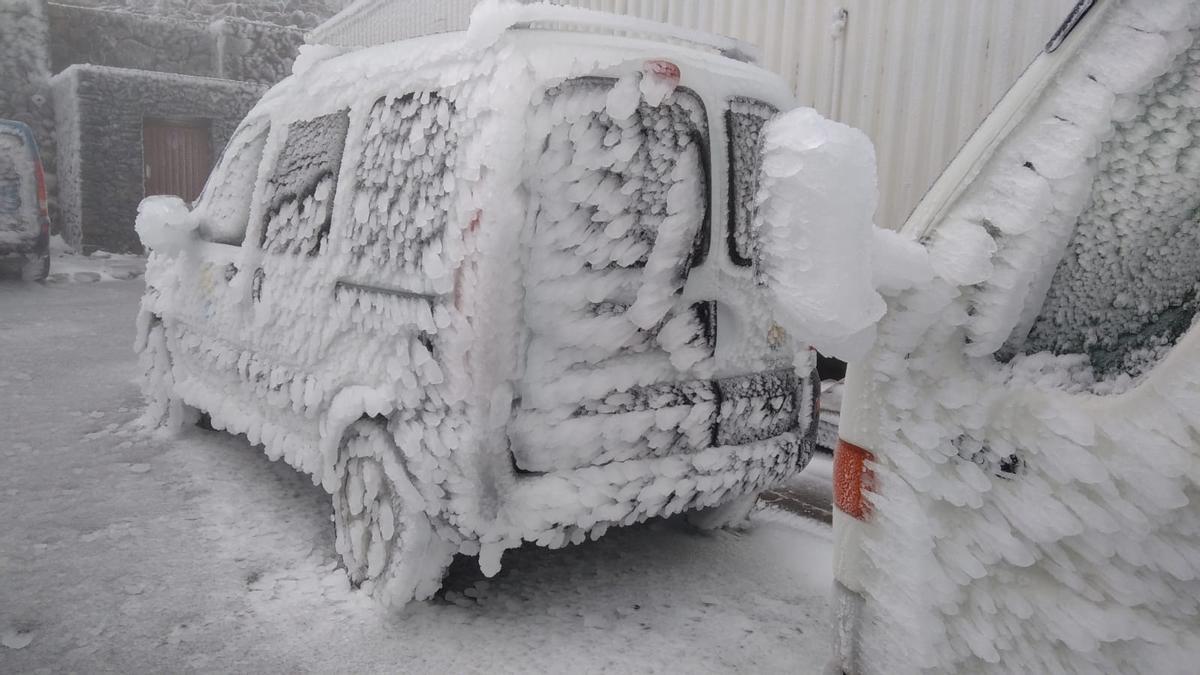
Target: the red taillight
pixel 472 227
pixel 664 70
pixel 43 207
pixel 851 477
pixel 662 78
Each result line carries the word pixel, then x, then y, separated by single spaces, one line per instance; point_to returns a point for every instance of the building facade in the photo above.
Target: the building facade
pixel 138 97
pixel 918 76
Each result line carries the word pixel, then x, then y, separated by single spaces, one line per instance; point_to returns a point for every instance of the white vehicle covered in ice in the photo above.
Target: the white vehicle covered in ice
pixel 505 285
pixel 1019 472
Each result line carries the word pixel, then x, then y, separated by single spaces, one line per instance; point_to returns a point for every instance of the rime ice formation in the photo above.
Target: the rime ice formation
pixel 478 287
pixel 1127 286
pixel 818 172
pixel 1023 521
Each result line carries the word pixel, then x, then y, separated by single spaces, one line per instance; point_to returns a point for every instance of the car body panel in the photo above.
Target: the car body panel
pixel 290 338
pixel 1012 500
pixel 24 218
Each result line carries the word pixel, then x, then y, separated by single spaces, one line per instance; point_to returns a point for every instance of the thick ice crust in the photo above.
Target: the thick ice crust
pixel 504 284
pixel 1127 285
pixel 1020 524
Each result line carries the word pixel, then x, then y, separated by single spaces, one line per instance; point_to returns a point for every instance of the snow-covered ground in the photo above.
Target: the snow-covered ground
pixel 126 552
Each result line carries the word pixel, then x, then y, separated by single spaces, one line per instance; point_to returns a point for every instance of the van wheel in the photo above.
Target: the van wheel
pixel 36 269
pixel 382 534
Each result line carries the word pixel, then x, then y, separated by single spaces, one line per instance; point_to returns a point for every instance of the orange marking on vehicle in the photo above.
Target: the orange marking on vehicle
pixel 472 227
pixel 851 477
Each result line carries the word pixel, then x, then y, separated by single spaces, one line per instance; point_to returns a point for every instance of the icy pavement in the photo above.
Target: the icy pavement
pixel 122 552
pixel 809 493
pixel 67 267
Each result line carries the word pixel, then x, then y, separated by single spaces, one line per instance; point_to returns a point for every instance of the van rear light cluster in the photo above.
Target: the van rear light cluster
pixel 851 477
pixel 472 228
pixel 660 79
pixel 43 207
pixel 662 70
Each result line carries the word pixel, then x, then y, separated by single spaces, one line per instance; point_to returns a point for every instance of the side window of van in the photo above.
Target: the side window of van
pixel 744 123
pixel 299 193
pixel 403 182
pixel 224 205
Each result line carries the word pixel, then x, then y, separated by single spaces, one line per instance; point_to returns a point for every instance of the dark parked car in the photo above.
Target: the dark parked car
pixel 24 219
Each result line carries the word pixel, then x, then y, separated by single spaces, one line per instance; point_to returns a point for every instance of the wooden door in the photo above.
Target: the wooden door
pixel 177 156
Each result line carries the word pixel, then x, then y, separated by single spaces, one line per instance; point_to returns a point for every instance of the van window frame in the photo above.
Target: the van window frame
pixel 276 194
pixel 256 132
pixel 744 258
pixel 358 236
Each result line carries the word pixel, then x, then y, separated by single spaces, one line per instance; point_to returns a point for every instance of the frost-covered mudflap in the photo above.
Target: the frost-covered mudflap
pixel 1019 466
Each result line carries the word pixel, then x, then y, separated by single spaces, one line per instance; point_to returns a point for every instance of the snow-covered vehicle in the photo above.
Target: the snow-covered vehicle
pixel 24 218
pixel 1017 479
pixel 498 286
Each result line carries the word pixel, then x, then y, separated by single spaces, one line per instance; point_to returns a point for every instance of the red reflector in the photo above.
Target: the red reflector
pixel 850 478
pixel 663 69
pixel 40 178
pixel 472 226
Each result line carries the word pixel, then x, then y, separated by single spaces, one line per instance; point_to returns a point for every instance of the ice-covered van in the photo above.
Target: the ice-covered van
pixel 491 287
pixel 24 217
pixel 1019 471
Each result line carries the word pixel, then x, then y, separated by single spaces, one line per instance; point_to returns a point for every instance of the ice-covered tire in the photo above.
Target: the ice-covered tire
pixel 733 514
pixel 36 269
pixel 382 534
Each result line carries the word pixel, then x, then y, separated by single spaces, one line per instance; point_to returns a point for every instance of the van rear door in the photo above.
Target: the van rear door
pixel 620 211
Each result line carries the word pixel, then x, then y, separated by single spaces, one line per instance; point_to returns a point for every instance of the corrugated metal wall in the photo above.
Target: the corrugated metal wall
pixel 917 75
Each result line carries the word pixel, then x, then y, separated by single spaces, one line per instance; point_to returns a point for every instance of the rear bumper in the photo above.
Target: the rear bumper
pixel 559 507
pixel 27 246
pixel 664 419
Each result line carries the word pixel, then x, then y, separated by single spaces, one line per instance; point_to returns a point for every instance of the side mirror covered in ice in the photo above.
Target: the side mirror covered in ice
pixel 816 204
pixel 166 225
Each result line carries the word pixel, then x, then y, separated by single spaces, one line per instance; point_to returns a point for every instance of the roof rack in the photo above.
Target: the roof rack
pixel 544 16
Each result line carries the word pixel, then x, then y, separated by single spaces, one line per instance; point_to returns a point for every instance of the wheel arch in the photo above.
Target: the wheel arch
pixel 348 406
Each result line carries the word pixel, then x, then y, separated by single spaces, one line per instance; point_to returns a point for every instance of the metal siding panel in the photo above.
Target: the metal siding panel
pixel 918 75
pixel 898 127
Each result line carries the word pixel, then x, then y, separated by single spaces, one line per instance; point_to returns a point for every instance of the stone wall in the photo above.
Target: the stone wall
pixel 25 79
pixel 66 118
pixel 255 52
pixel 103 134
pixel 122 40
pixel 232 48
pixel 304 14
pixel 202 38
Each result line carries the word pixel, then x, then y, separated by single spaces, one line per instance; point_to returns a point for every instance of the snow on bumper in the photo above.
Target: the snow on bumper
pixel 661 419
